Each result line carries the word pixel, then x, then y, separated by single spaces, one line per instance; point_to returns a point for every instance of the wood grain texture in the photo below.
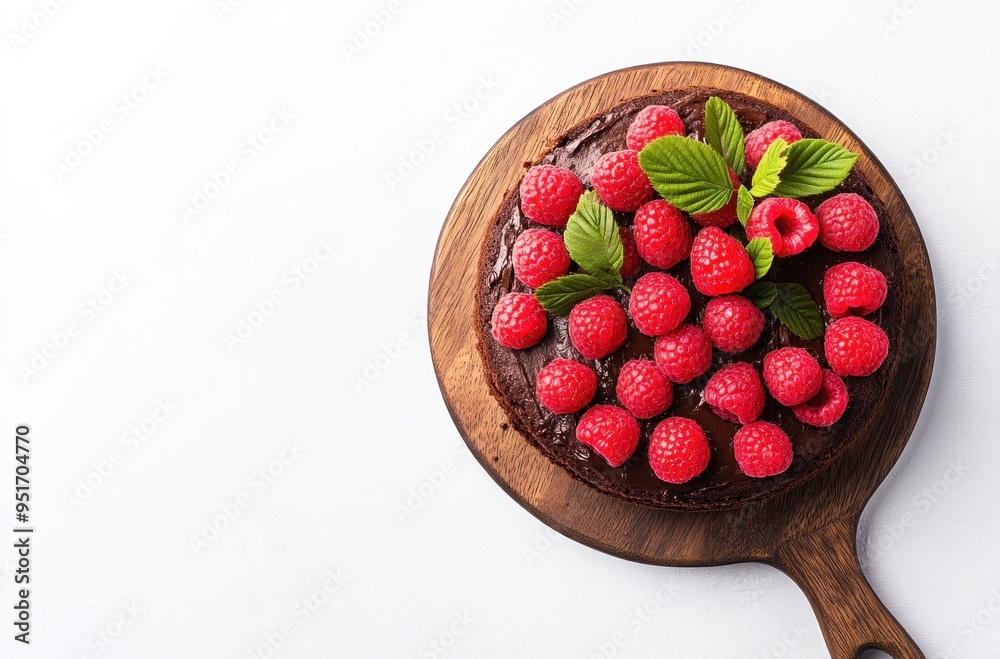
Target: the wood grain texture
pixel 807 532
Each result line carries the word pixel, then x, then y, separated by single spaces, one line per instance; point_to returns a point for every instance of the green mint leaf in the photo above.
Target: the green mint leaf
pixel 814 166
pixel 767 175
pixel 724 133
pixel 797 311
pixel 762 255
pixel 561 295
pixel 593 240
pixel 744 204
pixel 761 293
pixel 687 173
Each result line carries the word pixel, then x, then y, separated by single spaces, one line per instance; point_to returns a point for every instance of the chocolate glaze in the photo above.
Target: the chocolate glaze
pixel 512 373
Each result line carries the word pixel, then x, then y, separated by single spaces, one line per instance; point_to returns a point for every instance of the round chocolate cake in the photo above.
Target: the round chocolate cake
pixel 512 373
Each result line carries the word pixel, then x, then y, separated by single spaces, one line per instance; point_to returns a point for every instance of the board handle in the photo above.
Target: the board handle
pixel 824 564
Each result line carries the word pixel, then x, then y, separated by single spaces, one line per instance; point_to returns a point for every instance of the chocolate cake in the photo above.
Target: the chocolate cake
pixel 512 373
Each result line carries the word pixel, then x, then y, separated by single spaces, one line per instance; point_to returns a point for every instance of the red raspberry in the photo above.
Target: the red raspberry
pixel 825 408
pixel 678 450
pixel 653 122
pixel 684 353
pixel 658 303
pixel 564 386
pixel 630 261
pixel 725 216
pixel 758 140
pixel 519 321
pixel 549 194
pixel 762 449
pixel 620 182
pixel 793 376
pixel 611 431
pixel 662 235
pixel 733 323
pixel 847 223
pixel 855 346
pixel 852 288
pixel 719 263
pixel 597 327
pixel 643 389
pixel 735 393
pixel 789 224
pixel 539 257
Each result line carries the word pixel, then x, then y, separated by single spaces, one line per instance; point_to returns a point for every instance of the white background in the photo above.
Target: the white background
pixel 380 492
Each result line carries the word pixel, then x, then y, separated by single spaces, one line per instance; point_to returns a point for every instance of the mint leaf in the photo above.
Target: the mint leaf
pixel 593 240
pixel 724 133
pixel 814 166
pixel 687 173
pixel 761 293
pixel 797 311
pixel 767 175
pixel 744 204
pixel 561 295
pixel 761 254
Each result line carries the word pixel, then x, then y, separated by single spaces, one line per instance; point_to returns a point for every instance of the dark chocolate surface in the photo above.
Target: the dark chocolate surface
pixel 512 373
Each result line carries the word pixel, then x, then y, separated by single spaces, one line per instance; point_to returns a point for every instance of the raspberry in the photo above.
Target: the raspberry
pixel 630 261
pixel 643 389
pixel 789 224
pixel 724 216
pixel 852 288
pixel 684 353
pixel 549 194
pixel 719 263
pixel 564 386
pixel 733 323
pixel 620 182
pixel 758 140
pixel 597 327
pixel 762 449
pixel 611 431
pixel 519 321
pixel 847 223
pixel 678 450
pixel 539 257
pixel 792 375
pixel 855 346
pixel 735 393
pixel 653 122
pixel 825 408
pixel 658 303
pixel 662 235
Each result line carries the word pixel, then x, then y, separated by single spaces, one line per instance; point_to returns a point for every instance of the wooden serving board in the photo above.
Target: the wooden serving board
pixel 808 532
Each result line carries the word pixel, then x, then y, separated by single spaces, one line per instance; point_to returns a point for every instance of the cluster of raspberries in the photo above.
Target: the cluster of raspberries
pixel 661 237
